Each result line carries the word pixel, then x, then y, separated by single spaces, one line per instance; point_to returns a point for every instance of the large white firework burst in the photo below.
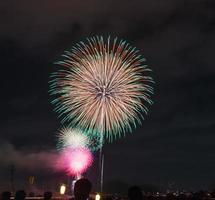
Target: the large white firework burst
pixel 104 87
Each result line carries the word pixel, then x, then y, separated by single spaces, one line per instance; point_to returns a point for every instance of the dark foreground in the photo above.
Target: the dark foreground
pixel 201 195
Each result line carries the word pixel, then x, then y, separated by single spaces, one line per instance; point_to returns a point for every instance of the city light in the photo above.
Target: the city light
pixel 62 189
pixel 97 197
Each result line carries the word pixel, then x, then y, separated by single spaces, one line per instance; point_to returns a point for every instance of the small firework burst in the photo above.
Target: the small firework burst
pixel 75 138
pixel 75 161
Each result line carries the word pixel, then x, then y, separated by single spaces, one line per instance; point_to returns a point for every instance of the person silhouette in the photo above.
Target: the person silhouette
pixel 135 193
pixel 82 189
pixel 20 195
pixel 5 195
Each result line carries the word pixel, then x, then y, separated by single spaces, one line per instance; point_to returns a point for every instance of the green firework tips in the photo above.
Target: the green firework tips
pixel 104 86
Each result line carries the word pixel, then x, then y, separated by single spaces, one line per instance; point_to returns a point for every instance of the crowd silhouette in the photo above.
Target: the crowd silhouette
pixel 83 188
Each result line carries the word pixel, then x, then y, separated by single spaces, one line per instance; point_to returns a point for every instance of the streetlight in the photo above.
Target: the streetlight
pixel 62 189
pixel 97 197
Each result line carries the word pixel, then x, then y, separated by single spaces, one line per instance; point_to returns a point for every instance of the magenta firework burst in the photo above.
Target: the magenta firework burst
pixel 75 161
pixel 104 86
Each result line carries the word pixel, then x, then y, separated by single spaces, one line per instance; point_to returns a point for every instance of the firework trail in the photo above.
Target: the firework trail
pixel 75 138
pixel 104 87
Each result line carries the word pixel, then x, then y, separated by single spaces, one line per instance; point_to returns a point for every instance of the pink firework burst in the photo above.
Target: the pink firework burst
pixel 75 161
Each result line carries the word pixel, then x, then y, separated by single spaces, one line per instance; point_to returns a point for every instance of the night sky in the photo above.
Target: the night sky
pixel 175 144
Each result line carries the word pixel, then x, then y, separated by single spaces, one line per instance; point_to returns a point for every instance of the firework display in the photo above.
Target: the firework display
pixel 75 161
pixel 75 138
pixel 103 87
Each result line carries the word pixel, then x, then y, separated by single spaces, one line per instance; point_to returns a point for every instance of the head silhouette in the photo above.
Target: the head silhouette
pixel 20 195
pixel 47 195
pixel 5 195
pixel 135 193
pixel 82 189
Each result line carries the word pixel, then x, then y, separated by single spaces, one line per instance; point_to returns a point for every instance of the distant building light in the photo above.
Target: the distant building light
pixel 97 197
pixel 62 189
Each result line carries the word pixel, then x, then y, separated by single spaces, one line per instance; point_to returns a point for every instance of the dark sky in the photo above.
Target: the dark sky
pixel 175 144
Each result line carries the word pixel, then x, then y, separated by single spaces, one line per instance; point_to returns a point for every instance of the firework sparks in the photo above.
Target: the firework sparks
pixel 75 161
pixel 104 87
pixel 75 138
